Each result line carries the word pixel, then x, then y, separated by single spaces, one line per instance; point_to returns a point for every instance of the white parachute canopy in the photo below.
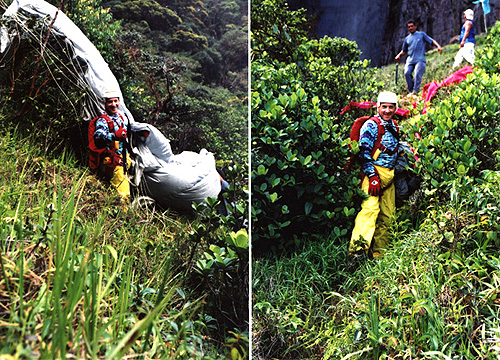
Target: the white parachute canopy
pixel 171 180
pixel 97 78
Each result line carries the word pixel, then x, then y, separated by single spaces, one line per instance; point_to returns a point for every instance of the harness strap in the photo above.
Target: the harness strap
pixel 381 131
pixel 96 155
pixel 386 150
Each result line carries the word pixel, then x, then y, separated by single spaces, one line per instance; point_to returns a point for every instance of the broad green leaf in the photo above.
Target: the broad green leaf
pixel 467 146
pixel 112 251
pixel 308 208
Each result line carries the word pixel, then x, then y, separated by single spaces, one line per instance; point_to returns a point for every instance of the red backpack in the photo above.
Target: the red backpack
pixel 355 134
pixel 95 152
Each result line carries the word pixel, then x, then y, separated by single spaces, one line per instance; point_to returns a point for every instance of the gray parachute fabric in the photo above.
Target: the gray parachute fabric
pixel 171 180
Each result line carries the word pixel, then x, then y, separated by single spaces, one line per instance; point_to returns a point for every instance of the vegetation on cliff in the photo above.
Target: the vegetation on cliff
pixel 79 277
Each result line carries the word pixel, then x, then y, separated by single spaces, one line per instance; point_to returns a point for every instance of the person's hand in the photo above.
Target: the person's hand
pixel 461 44
pixel 374 186
pixel 121 134
pixel 398 56
pixel 440 49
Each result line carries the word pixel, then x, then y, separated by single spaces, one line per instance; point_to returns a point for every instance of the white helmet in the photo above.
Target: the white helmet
pixel 108 94
pixel 469 14
pixel 387 97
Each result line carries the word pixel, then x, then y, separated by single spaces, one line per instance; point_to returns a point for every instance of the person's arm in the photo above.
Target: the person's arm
pixel 403 51
pixel 102 136
pixel 398 56
pixel 467 26
pixel 435 43
pixel 430 40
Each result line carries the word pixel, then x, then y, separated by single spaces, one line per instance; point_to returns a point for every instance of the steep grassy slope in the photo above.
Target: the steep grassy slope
pixel 81 278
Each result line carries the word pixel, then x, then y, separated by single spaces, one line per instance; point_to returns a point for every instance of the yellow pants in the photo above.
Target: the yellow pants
pixel 118 179
pixel 375 217
pixel 120 182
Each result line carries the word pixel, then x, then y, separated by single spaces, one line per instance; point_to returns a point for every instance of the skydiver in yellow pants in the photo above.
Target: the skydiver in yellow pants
pixel 375 217
pixel 107 142
pixel 378 144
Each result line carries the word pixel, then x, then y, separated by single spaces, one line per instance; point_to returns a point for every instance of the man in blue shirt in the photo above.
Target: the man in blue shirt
pixel 467 40
pixel 414 46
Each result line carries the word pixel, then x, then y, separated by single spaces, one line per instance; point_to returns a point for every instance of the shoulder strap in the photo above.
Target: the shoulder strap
pixel 380 133
pixel 110 122
pixel 94 151
pixel 393 132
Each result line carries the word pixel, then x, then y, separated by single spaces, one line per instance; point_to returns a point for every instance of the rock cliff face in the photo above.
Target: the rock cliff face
pixel 379 26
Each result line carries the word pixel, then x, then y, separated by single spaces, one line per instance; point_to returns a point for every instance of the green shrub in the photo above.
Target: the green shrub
pixel 489 57
pixel 298 140
pixel 96 23
pixel 183 40
pixel 276 30
pixel 459 138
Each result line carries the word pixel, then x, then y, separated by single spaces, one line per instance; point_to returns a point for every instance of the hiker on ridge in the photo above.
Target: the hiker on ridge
pixel 107 144
pixel 377 156
pixel 414 46
pixel 467 40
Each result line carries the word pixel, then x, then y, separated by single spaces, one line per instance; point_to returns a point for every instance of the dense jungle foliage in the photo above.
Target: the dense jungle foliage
pixel 434 294
pixel 196 94
pixel 299 87
pixel 79 277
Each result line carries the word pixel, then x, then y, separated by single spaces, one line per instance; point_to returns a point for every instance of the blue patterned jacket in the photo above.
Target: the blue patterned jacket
pixel 103 137
pixel 368 135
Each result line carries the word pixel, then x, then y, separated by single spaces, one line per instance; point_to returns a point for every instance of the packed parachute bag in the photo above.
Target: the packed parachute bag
pixel 406 182
pixel 172 181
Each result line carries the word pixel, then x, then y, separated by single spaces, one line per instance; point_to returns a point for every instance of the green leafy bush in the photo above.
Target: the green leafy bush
pixel 297 159
pixel 157 16
pixel 96 23
pixel 459 138
pixel 276 30
pixel 298 139
pixel 184 40
pixel 221 273
pixel 489 57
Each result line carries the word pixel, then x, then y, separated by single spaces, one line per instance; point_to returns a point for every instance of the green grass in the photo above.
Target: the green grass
pixel 428 297
pixel 80 278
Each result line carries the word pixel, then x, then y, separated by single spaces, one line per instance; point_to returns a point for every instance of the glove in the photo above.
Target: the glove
pixel 374 186
pixel 121 134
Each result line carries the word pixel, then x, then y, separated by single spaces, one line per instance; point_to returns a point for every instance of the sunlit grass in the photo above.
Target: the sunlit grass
pixel 80 278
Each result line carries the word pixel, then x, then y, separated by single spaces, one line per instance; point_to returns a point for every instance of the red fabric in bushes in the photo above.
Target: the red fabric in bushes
pixel 368 105
pixel 430 89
